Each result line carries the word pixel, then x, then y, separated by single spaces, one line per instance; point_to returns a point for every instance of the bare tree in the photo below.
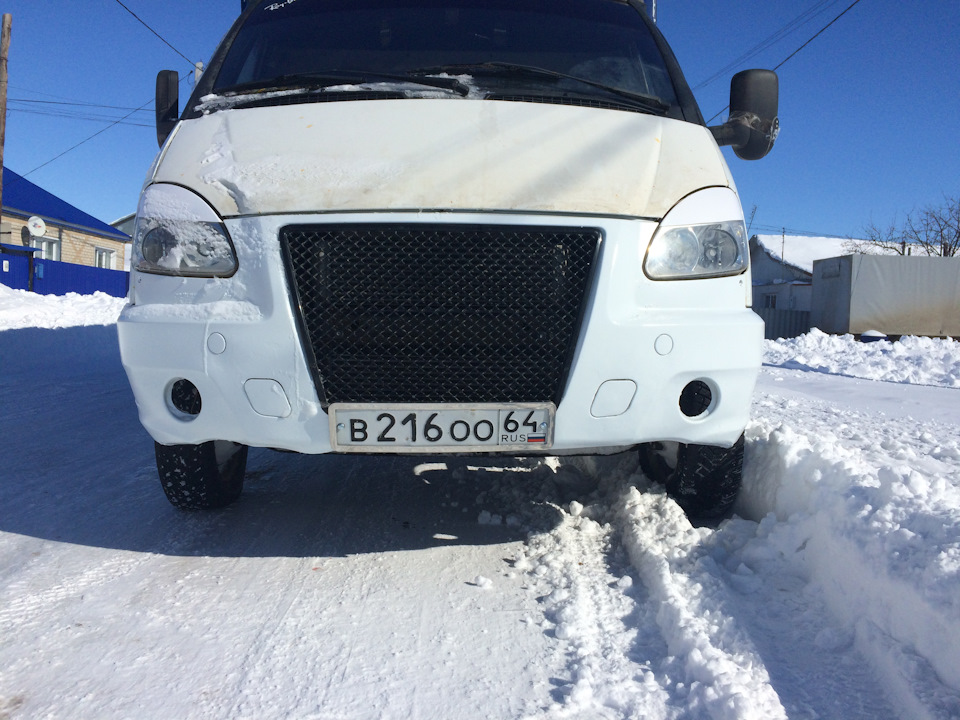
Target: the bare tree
pixel 878 240
pixel 938 229
pixel 933 231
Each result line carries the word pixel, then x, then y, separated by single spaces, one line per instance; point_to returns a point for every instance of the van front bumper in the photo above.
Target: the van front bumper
pixel 641 347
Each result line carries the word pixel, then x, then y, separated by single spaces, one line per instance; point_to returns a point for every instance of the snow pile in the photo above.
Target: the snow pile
pixel 913 360
pixel 22 309
pixel 869 510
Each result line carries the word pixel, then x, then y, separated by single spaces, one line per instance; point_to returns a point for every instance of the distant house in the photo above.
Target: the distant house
pixel 67 234
pixel 782 268
pixel 126 224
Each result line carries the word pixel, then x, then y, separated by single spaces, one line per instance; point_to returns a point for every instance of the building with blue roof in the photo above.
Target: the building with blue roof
pixel 34 218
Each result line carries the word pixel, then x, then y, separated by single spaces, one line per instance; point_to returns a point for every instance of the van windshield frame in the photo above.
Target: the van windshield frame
pixel 277 46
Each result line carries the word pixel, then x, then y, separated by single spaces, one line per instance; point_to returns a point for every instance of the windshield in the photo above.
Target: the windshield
pixel 496 43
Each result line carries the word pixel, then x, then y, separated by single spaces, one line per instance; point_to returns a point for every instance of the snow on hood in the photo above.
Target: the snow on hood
pixel 440 155
pixel 412 89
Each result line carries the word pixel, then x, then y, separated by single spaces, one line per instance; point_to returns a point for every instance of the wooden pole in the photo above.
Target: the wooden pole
pixel 4 53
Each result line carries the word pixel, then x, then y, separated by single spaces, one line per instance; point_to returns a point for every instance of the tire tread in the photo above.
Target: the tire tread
pixel 192 479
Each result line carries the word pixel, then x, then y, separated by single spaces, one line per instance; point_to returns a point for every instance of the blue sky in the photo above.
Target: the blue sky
pixel 869 111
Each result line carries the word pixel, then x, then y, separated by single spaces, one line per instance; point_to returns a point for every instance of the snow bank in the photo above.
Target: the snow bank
pixel 868 509
pixel 22 309
pixel 913 360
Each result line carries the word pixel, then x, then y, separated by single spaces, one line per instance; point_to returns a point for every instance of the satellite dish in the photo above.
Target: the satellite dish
pixel 36 226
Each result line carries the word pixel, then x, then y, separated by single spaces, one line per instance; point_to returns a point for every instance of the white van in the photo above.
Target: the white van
pixel 445 226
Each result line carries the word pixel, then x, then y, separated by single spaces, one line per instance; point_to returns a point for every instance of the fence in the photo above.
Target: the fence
pixel 50 277
pixel 783 323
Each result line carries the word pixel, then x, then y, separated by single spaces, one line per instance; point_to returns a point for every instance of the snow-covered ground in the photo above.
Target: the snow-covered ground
pixel 344 587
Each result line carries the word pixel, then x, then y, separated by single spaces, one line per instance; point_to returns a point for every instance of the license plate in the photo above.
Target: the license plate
pixel 429 428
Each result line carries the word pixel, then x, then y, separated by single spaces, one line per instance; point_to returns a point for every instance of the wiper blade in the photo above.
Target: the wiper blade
pixel 646 102
pixel 328 78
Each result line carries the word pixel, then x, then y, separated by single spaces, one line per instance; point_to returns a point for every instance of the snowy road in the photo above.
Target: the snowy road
pixel 346 587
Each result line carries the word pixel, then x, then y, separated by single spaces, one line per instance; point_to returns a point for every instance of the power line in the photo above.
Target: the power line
pixel 37 92
pixel 785 30
pixel 73 104
pixel 849 7
pixel 791 55
pixel 96 134
pixel 154 32
pixel 77 116
pixel 779 229
pixel 99 132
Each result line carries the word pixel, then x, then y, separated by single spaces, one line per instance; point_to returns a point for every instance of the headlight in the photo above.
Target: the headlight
pixel 178 233
pixel 697 251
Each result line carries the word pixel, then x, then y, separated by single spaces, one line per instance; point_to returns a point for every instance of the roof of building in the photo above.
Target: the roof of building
pixel 800 251
pixel 22 197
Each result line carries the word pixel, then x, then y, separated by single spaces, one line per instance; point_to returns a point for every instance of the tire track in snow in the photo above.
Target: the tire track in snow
pixel 589 608
pixel 666 647
pixel 718 671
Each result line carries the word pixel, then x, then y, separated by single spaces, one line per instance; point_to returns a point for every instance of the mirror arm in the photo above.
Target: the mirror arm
pixel 740 128
pixel 731 133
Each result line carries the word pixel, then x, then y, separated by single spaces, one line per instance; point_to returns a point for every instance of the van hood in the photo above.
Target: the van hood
pixel 440 154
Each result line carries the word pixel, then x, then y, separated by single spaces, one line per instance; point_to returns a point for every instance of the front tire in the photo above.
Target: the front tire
pixel 202 477
pixel 703 479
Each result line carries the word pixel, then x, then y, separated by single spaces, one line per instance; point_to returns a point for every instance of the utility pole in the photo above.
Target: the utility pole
pixel 4 53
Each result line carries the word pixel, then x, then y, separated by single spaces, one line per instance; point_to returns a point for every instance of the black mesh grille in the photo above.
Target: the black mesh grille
pixel 439 313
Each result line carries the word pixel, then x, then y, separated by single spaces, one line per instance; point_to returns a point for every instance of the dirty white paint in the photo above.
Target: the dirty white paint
pixel 441 155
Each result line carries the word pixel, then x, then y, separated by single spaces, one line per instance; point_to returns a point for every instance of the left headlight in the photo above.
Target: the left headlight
pixel 178 233
pixel 697 251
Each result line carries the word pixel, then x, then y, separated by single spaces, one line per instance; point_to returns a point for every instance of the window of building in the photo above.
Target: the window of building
pixel 770 301
pixel 49 247
pixel 106 258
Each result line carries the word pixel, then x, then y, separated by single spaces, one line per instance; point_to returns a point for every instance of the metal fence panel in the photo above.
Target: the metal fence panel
pixel 15 271
pixel 59 278
pixel 783 323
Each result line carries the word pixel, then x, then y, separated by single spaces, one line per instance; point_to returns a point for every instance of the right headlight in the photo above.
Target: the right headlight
pixel 178 233
pixel 697 251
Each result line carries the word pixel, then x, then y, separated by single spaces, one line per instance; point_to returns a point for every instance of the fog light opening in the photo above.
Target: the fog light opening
pixel 696 399
pixel 185 398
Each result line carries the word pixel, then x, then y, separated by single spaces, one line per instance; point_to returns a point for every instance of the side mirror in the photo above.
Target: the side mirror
pixel 168 103
pixel 753 124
